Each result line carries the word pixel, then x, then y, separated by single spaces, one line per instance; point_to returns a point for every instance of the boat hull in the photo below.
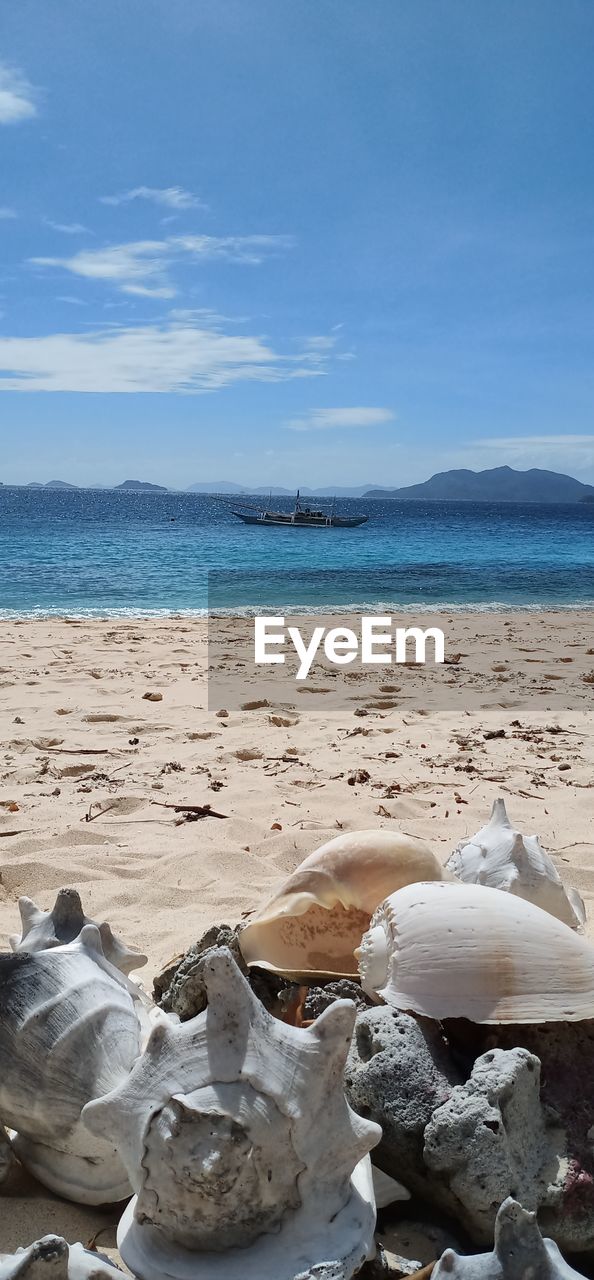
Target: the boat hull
pixel 333 522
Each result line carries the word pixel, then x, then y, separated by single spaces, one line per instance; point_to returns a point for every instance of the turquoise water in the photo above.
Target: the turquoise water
pixel 122 553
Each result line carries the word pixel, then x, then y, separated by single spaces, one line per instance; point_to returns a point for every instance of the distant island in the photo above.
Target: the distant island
pixel 142 486
pixel 51 484
pixel 500 484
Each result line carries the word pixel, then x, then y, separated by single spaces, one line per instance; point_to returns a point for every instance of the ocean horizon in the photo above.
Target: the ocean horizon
pixel 98 553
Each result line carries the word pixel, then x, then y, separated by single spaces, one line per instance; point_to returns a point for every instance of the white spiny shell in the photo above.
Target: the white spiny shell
pixel 246 1160
pixel 520 1253
pixel 44 929
pixel 53 1259
pixel 315 921
pixel 70 1029
pixel 465 951
pixel 502 858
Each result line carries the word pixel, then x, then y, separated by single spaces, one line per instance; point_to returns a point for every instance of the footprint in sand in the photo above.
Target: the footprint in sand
pixel 102 719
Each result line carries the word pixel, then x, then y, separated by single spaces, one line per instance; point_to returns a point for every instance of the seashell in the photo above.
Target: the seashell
pixel 520 1253
pixel 246 1160
pixel 53 1259
pixel 315 921
pixel 70 1029
pixel 466 951
pixel 44 929
pixel 502 858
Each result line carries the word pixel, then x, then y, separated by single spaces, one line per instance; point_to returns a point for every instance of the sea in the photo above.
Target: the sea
pixel 116 553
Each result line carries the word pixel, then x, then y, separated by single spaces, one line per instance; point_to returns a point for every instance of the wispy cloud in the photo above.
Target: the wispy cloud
pixel 67 228
pixel 335 419
pixel 6 212
pixel 172 357
pixel 168 197
pixel 142 266
pixel 17 97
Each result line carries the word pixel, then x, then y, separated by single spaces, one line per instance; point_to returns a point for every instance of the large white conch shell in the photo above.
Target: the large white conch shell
pixel 246 1160
pixel 465 951
pixel 63 924
pixel 315 921
pixel 520 1253
pixel 52 1258
pixel 70 1030
pixel 502 858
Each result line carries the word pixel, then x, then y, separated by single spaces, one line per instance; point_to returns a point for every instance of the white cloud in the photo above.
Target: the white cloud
pixel 142 266
pixel 169 197
pixel 6 212
pixel 174 357
pixel 16 96
pixel 320 342
pixel 332 419
pixel 67 228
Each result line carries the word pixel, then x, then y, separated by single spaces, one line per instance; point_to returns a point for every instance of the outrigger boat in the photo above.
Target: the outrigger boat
pixel 301 516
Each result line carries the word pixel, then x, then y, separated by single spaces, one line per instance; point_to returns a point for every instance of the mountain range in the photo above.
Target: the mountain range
pixel 329 491
pixel 499 484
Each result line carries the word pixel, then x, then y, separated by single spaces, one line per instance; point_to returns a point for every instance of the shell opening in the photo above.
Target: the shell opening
pixel 374 959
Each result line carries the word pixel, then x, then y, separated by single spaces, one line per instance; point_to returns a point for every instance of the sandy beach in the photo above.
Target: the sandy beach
pixel 89 765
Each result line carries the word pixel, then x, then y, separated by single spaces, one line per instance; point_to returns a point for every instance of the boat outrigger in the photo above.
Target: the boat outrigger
pixel 301 516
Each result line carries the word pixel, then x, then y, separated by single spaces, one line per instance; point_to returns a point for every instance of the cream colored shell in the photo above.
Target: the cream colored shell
pixel 315 921
pixel 502 858
pixel 466 951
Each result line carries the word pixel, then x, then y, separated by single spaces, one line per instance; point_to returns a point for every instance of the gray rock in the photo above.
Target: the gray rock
pixel 180 987
pixel 463 1145
pixel 320 998
pixel 398 1073
pixel 490 1140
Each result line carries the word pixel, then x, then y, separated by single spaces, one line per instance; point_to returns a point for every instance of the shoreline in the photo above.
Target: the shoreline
pixel 233 611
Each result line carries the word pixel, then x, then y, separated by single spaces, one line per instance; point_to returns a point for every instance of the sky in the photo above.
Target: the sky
pixel 294 242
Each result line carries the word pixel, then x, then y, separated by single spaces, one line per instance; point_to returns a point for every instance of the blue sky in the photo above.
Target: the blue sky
pixel 279 241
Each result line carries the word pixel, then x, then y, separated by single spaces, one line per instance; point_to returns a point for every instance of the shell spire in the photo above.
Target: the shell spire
pixel 42 930
pixel 500 857
pixel 520 1253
